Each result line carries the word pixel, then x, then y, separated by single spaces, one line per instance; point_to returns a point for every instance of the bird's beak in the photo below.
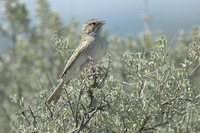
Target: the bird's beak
pixel 102 22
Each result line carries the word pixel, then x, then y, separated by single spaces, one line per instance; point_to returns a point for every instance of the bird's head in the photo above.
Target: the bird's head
pixel 92 26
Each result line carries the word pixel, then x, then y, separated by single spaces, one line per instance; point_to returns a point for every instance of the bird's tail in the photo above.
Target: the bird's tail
pixel 56 93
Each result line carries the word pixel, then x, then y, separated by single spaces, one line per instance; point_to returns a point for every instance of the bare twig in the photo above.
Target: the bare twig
pixel 83 107
pixel 51 113
pixel 79 101
pixel 155 126
pixel 124 124
pixel 34 118
pixel 70 105
pixel 51 80
pixel 171 99
pixel 24 115
pixel 86 118
pixel 172 42
pixel 194 69
pixel 40 81
pixel 82 120
pixel 143 85
pixel 106 73
pixel 144 122
pixel 95 77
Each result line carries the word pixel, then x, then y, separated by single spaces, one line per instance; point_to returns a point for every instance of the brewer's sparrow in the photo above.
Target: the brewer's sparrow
pixel 91 45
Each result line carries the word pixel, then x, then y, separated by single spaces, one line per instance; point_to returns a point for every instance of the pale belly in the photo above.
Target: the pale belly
pixel 95 51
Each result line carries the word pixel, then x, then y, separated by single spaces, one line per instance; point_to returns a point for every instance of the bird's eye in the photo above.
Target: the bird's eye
pixel 93 23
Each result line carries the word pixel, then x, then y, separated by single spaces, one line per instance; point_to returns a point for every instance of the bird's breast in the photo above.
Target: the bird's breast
pixel 97 49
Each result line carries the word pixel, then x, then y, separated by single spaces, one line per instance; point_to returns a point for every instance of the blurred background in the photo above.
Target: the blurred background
pixel 127 17
pixel 123 18
pixel 30 60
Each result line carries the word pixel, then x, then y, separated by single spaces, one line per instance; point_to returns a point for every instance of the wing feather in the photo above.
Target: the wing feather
pixel 82 46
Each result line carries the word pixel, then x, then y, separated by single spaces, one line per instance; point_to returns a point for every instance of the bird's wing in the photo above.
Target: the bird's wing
pixel 82 46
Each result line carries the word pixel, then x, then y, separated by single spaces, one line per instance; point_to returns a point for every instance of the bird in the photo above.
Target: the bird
pixel 92 46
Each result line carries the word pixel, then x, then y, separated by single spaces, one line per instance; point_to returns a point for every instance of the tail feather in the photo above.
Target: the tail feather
pixel 56 93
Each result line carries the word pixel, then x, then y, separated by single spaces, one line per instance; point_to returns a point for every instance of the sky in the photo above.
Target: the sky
pixel 123 17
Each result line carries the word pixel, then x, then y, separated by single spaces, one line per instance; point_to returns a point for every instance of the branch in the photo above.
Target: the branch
pixel 86 118
pixel 155 126
pixel 70 104
pixel 79 100
pixel 91 97
pixel 81 121
pixel 34 118
pixel 171 43
pixel 143 85
pixel 144 122
pixel 51 80
pixel 106 73
pixel 40 81
pixel 51 113
pixel 24 115
pixel 171 99
pixel 194 69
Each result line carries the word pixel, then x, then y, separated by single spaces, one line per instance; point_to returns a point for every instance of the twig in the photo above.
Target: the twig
pixel 79 100
pixel 94 74
pixel 90 95
pixel 144 122
pixel 171 43
pixel 51 113
pixel 85 119
pixel 171 99
pixel 40 81
pixel 143 85
pixel 24 115
pixel 106 73
pixel 83 107
pixel 187 129
pixel 82 120
pixel 63 105
pixel 70 105
pixel 155 126
pixel 124 125
pixel 51 80
pixel 34 118
pixel 194 69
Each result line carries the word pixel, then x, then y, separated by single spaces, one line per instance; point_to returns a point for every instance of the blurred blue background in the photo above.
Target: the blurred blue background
pixel 125 17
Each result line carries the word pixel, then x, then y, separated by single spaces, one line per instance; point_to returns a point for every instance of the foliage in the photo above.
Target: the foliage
pixel 146 85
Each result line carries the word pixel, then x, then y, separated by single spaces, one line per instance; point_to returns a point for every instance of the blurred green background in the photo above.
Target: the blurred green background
pixel 29 57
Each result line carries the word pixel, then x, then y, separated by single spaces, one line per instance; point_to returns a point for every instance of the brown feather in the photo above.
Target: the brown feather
pixel 91 45
pixel 74 56
pixel 56 93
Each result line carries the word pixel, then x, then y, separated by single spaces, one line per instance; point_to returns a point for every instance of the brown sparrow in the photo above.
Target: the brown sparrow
pixel 92 45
